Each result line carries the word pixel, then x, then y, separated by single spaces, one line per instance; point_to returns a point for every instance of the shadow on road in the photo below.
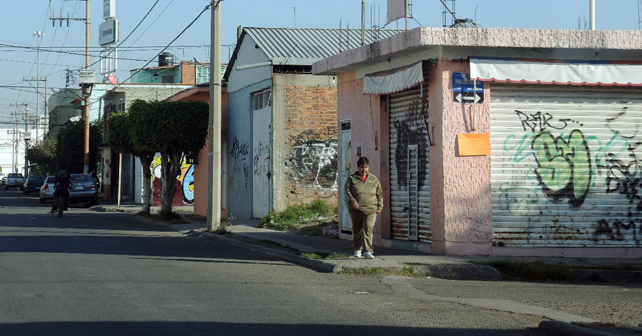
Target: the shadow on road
pixel 216 328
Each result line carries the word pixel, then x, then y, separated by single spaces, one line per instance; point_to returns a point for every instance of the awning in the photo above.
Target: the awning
pixel 555 72
pixel 393 81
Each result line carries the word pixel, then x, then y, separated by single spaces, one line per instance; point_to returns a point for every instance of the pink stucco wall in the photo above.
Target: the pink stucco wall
pixel 460 185
pixel 367 125
pixel 461 209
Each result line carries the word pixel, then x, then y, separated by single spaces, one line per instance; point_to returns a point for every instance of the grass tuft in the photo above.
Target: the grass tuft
pixel 304 219
pixel 320 255
pixel 380 272
pixel 223 227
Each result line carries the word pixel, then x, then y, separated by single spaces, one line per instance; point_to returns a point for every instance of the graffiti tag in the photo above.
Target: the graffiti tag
pixel 563 166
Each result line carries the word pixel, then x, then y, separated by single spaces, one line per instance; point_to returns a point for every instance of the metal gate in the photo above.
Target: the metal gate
pixel 409 165
pixel 413 192
pixel 565 167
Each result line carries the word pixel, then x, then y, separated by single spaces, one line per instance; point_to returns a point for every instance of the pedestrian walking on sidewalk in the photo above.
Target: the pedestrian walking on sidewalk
pixel 365 201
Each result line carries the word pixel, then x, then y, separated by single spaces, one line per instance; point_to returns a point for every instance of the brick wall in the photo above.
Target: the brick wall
pixel 311 127
pixel 188 73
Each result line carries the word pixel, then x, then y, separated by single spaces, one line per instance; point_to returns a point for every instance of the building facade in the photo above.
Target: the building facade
pixel 282 138
pixel 497 141
pixel 118 99
pixel 199 167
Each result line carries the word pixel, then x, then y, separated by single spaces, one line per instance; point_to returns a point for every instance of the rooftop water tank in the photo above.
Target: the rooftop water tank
pixel 165 59
pixel 464 23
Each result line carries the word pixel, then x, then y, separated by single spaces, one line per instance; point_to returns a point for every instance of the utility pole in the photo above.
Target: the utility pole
pixel 15 141
pixel 363 22
pixel 214 194
pixel 87 92
pixel 592 14
pixel 37 120
pixel 17 133
pixel 85 86
pixel 38 34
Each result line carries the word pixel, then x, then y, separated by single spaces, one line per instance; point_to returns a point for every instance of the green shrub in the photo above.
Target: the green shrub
pixel 300 213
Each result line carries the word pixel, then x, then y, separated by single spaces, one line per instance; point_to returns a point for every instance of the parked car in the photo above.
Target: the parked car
pixel 14 180
pixel 47 189
pixel 2 181
pixel 33 183
pixel 84 189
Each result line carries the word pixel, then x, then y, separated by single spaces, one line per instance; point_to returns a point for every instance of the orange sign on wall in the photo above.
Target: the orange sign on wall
pixel 472 144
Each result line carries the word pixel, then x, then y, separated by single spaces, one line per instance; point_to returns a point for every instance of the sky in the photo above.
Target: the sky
pixel 147 26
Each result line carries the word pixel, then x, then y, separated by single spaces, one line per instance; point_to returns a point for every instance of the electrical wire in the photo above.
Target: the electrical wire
pixel 59 52
pixel 135 28
pixel 169 44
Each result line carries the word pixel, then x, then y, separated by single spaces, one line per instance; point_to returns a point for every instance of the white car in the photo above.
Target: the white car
pixel 47 189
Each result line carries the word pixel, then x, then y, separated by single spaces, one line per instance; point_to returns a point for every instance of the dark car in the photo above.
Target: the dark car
pixel 84 189
pixel 33 183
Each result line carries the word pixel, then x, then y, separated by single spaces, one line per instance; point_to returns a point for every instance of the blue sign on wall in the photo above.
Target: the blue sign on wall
pixel 467 91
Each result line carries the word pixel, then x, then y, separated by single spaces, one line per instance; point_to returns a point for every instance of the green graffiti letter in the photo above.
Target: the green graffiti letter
pixel 563 167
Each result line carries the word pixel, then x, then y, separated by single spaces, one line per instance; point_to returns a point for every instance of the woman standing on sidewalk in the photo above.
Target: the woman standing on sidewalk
pixel 365 200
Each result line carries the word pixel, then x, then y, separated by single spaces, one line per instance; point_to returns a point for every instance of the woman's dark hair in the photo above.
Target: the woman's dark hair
pixel 363 161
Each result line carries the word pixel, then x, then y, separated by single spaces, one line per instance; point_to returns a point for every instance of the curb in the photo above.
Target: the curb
pixel 460 272
pixel 569 329
pixel 607 276
pixel 317 265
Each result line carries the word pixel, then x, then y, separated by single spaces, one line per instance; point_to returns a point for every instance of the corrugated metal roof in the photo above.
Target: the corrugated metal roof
pixel 307 45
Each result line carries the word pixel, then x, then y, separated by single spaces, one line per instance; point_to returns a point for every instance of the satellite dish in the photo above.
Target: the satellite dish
pixel 113 79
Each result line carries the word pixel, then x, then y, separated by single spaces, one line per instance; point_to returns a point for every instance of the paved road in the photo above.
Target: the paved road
pixel 92 273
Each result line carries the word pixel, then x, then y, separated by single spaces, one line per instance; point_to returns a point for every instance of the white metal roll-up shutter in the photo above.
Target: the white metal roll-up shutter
pixel 409 165
pixel 566 165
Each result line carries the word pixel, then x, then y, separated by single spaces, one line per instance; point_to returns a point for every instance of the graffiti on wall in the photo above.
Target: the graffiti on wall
pixel 184 184
pixel 261 161
pixel 413 129
pixel 563 166
pixel 594 172
pixel 239 152
pixel 314 163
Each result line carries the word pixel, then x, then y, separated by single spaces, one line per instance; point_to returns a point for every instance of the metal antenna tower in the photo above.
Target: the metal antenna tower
pixel 448 10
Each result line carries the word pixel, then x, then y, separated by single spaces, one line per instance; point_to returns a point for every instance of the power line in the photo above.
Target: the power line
pixel 169 44
pixel 35 48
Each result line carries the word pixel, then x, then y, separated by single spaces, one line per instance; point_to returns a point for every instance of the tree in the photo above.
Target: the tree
pixel 119 139
pixel 173 129
pixel 43 155
pixel 70 147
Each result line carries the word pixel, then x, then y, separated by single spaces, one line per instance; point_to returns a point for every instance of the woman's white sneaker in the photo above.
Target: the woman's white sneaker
pixel 368 255
pixel 357 254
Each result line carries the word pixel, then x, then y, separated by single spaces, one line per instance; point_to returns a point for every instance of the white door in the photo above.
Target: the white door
pixel 345 169
pixel 261 163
